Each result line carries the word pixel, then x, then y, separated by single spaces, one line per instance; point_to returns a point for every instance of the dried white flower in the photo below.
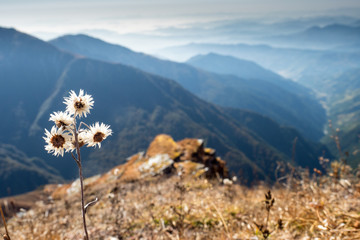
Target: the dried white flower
pixel 227 181
pixel 97 133
pixel 67 136
pixel 79 105
pixel 57 141
pixel 62 119
pixel 81 140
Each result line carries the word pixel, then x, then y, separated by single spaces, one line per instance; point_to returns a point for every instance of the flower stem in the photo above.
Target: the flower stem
pixel 78 161
pixel 3 218
pixel 82 202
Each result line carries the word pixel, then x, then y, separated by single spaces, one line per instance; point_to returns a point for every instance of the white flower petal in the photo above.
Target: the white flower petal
pixel 79 105
pixel 97 133
pixel 62 119
pixel 57 141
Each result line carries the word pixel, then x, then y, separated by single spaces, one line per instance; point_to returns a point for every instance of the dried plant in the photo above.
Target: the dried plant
pixel 263 228
pixel 181 210
pixel 309 211
pixel 229 192
pixel 290 179
pixel 339 169
pixel 67 136
pixel 6 236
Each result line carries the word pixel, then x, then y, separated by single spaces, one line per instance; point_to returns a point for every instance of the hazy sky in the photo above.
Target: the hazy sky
pixel 50 18
pixel 134 15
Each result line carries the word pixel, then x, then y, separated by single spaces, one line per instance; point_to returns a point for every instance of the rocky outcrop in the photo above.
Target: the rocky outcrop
pixel 188 155
pixel 164 156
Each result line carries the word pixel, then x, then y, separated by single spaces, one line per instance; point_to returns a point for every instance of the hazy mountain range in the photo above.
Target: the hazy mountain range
pixel 255 89
pixel 35 76
pixel 331 72
pixel 308 67
pixel 317 37
pixel 229 31
pixel 240 98
pixel 344 111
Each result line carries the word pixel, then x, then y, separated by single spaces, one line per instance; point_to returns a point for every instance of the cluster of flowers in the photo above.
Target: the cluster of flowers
pixel 65 136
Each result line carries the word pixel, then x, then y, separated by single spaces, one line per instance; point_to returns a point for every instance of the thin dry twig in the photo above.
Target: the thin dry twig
pixel 6 236
pixel 89 204
pixel 222 219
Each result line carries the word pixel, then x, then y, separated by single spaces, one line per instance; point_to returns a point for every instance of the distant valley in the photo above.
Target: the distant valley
pixel 257 90
pixel 257 105
pixel 331 71
pixel 138 105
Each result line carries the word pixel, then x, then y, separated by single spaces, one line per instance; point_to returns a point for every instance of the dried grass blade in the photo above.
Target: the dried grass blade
pixel 3 219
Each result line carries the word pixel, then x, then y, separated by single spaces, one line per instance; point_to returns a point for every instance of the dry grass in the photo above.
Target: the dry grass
pixel 145 210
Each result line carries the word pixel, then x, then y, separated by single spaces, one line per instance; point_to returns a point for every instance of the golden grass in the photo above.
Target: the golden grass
pixel 145 210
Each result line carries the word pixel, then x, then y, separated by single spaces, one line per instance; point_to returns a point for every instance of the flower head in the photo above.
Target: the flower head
pixel 97 133
pixel 81 140
pixel 57 141
pixel 62 119
pixel 79 104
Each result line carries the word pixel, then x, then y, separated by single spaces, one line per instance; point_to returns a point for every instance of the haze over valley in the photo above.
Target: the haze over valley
pixel 231 119
pixel 252 84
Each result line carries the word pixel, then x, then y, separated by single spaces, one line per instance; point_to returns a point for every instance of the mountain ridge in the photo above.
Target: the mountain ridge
pixel 19 173
pixel 297 64
pixel 136 104
pixel 212 87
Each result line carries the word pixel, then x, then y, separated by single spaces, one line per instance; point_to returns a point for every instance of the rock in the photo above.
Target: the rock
pixel 190 155
pixel 163 156
pixel 192 149
pixel 156 164
pixel 191 168
pixel 163 144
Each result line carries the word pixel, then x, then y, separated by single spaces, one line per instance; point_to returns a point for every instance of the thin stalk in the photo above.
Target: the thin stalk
pixel 82 202
pixel 78 161
pixel 3 218
pixel 82 123
pixel 293 162
pixel 221 218
pixel 267 219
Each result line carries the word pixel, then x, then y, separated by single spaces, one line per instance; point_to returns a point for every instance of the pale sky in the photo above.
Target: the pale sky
pixel 50 18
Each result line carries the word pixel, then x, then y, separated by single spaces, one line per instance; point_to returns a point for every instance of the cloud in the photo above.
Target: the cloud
pixel 48 19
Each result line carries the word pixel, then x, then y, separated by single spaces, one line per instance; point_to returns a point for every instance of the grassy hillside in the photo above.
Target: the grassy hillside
pixel 344 111
pixel 170 207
